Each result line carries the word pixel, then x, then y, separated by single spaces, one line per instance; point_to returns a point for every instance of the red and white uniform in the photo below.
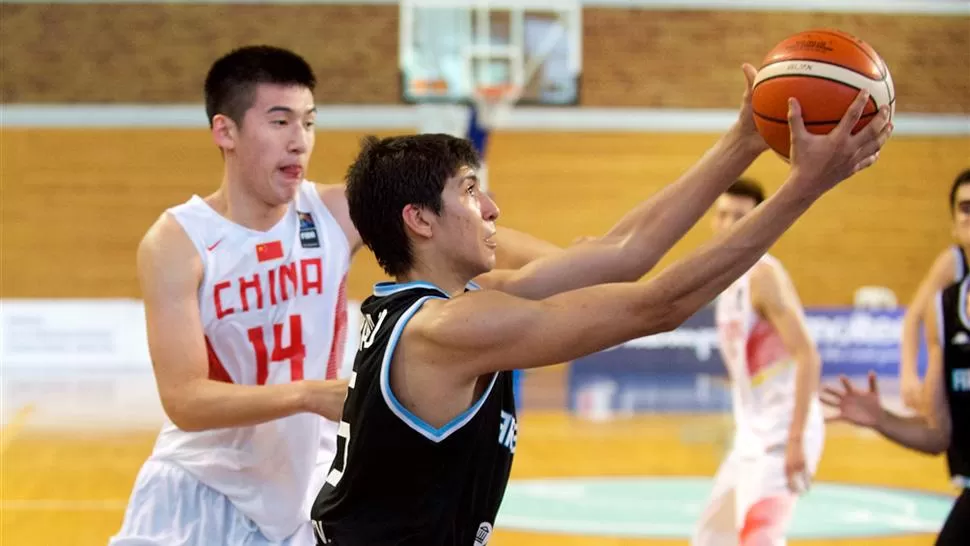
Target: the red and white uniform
pixel 750 490
pixel 273 310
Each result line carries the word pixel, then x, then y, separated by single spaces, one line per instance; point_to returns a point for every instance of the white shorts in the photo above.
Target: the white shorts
pixel 751 497
pixel 170 507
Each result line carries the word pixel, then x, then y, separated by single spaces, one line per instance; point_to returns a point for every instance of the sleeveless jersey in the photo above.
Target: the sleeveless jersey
pixel 273 311
pixel 762 372
pixel 961 265
pixel 397 480
pixel 954 328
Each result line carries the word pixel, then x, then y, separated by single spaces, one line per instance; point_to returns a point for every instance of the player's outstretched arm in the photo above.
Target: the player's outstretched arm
pixel 479 332
pixel 928 432
pixel 517 249
pixel 937 278
pixel 641 238
pixel 169 271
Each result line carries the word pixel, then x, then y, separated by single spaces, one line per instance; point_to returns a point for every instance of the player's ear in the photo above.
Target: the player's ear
pixel 224 132
pixel 416 219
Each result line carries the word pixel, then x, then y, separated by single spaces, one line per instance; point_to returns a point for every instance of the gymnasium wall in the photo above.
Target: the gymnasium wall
pixel 158 53
pixel 76 201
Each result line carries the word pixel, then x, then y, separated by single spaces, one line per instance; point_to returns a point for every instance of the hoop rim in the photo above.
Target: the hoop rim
pixel 496 93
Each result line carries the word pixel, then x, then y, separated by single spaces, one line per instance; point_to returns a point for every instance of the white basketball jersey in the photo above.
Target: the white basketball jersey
pixel 762 372
pixel 273 310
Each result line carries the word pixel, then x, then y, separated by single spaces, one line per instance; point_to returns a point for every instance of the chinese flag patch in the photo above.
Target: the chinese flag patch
pixel 269 251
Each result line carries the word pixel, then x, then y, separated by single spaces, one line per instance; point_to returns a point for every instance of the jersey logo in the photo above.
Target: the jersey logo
pixel 483 534
pixel 368 331
pixel 508 431
pixel 961 380
pixel 308 231
pixel 272 250
pixel 214 245
pixel 961 338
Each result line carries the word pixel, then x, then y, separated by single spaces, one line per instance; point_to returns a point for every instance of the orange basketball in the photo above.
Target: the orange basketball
pixel 825 70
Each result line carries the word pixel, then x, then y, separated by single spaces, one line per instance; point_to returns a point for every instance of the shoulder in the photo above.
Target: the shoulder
pixel 167 247
pixel 334 197
pixel 769 271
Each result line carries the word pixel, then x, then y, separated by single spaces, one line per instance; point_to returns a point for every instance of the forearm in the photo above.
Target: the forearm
pixel 640 238
pixel 695 280
pixel 653 227
pixel 912 432
pixel 206 404
pixel 807 369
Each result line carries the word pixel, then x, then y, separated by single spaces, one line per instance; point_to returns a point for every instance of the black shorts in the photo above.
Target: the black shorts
pixel 956 529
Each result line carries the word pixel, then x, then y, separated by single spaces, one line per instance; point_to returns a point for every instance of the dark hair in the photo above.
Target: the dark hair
pixel 230 85
pixel 745 187
pixel 391 173
pixel 961 179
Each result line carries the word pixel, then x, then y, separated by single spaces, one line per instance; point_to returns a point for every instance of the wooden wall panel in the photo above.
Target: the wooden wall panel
pixel 75 203
pixel 158 53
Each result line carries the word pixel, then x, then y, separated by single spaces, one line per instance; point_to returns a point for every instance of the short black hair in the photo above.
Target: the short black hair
pixel 230 85
pixel 745 187
pixel 391 173
pixel 961 179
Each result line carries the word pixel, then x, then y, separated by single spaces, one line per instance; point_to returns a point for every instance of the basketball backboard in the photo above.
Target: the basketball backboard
pixel 449 49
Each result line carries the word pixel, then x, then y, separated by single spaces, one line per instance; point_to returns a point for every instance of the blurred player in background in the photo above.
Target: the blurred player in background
pixel 774 370
pixel 950 266
pixel 943 425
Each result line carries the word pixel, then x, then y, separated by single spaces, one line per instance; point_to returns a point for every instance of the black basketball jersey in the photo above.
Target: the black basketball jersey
pixel 397 480
pixel 954 326
pixel 962 263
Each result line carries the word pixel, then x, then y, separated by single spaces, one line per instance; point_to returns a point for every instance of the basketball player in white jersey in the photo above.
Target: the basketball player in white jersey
pixel 243 293
pixel 950 266
pixel 245 307
pixel 774 369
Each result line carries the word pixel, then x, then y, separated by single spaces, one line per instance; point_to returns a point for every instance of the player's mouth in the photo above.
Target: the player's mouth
pixel 490 243
pixel 292 172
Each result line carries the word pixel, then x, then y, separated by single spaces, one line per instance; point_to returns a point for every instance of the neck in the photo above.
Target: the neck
pixel 442 276
pixel 243 207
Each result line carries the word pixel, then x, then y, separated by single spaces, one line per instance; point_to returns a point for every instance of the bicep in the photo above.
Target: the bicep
pixel 488 331
pixel 169 272
pixel 938 277
pixel 590 262
pixel 517 249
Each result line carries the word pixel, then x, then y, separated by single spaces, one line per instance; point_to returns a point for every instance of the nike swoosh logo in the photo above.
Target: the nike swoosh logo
pixel 215 244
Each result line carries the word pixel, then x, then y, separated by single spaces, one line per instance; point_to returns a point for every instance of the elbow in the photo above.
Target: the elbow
pixel 939 446
pixel 181 413
pixel 633 260
pixel 667 318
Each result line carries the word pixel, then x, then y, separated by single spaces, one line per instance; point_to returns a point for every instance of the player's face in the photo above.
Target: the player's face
pixel 275 141
pixel 728 209
pixel 961 216
pixel 467 224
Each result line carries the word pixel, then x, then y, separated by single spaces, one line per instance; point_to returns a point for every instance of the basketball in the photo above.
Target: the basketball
pixel 824 70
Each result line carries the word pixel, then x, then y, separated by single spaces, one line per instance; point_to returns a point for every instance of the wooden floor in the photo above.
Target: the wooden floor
pixel 70 487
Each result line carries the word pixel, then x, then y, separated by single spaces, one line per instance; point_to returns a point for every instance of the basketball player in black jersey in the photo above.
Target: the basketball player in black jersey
pixel 949 267
pixel 944 425
pixel 428 433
